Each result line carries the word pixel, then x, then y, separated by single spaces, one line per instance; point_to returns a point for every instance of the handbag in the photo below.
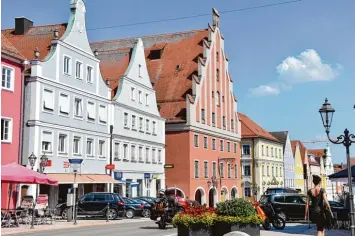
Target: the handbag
pixel 327 214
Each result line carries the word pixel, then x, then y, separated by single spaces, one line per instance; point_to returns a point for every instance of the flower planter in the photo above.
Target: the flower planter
pixel 194 230
pixel 220 229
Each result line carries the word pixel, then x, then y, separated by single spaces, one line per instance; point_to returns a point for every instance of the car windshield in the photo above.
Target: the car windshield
pixel 335 204
pixel 264 199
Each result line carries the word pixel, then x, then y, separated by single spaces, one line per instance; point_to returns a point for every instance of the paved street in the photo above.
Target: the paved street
pixel 131 228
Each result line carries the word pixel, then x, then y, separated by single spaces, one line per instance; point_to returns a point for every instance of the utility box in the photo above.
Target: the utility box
pixel 70 199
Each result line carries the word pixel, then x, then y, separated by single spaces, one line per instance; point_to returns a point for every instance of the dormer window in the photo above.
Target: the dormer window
pixel 155 54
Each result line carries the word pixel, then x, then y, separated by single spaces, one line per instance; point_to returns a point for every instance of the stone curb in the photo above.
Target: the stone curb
pixel 70 225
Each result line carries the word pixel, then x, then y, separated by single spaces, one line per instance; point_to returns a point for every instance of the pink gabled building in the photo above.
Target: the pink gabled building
pixel 12 67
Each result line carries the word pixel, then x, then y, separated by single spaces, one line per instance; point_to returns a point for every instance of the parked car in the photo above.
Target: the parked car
pixel 281 190
pixel 133 207
pixel 151 200
pixel 95 204
pixel 147 207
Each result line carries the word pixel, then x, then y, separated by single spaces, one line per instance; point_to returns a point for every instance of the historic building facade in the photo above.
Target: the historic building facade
pixel 300 155
pixel 13 63
pixel 262 159
pixel 289 164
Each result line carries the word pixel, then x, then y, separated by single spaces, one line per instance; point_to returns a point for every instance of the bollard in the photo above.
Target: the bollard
pixel 107 212
pixel 75 213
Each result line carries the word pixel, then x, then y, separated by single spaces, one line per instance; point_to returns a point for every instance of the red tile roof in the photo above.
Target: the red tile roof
pixel 36 36
pixel 316 152
pixel 303 149
pixel 250 129
pixel 9 49
pixel 171 75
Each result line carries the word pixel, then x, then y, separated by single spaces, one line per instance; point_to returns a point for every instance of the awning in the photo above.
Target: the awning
pixel 83 178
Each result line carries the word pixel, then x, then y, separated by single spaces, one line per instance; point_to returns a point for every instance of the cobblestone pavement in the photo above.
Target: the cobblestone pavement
pixel 302 230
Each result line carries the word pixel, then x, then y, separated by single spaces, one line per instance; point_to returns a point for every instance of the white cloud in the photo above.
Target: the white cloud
pixel 264 90
pixel 307 67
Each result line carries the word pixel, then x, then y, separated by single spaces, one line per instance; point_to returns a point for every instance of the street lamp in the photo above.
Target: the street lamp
pixel 326 112
pixel 43 160
pixel 32 159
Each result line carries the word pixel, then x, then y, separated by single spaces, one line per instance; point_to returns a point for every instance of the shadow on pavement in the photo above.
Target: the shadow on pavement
pixel 295 229
pixel 156 227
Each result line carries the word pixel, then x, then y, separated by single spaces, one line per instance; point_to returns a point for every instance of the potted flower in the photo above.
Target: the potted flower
pixel 236 215
pixel 196 220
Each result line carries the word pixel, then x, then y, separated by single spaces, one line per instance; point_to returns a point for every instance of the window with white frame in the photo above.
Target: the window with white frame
pixel 275 152
pixel 147 126
pixel 133 94
pixel 102 148
pixel 224 122
pixel 154 155
pixel 196 140
pixel 205 144
pixel 7 81
pixel 205 169
pixel 232 125
pixel 117 151
pixel 280 153
pixel 213 118
pixel 159 156
pixel 90 147
pixel 78 107
pixel 77 145
pixel 140 96
pixel 89 74
pixel 221 144
pixel 228 146
pixel 66 64
pixel 78 69
pixel 6 129
pixel 62 143
pixel 214 169
pixel 197 171
pixel 125 151
pixel 102 114
pixel 262 150
pixel 147 155
pixel 147 99
pixel 141 123
pixel 48 100
pixel 47 137
pixel 133 152
pixel 247 170
pixel 229 171
pixel 221 170
pixel 213 144
pixel 91 111
pixel 64 104
pixel 276 171
pixel 154 127
pixel 133 122
pixel 247 191
pixel 125 119
pixel 140 153
pixel 267 151
pixel 272 151
pixel 203 118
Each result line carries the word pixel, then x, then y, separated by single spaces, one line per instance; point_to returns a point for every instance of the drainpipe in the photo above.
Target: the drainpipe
pixel 111 138
pixel 253 165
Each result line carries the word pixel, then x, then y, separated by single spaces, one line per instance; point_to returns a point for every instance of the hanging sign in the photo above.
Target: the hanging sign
pixel 167 166
pixel 118 175
pixel 147 175
pixel 110 167
pixel 155 176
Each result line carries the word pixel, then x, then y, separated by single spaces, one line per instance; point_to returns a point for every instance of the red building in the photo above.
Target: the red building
pixel 12 65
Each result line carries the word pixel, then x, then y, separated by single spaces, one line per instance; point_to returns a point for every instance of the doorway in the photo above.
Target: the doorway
pixel 212 195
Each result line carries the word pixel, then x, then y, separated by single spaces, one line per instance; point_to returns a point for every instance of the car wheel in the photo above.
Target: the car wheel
pixel 112 214
pixel 130 214
pixel 282 215
pixel 146 213
pixel 65 214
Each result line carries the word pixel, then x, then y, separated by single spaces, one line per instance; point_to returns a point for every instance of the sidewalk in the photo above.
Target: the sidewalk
pixel 66 225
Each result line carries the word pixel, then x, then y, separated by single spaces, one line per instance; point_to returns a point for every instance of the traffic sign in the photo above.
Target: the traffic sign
pixel 110 167
pixel 169 166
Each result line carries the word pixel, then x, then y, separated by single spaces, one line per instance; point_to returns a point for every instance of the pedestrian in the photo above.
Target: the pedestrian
pixel 318 197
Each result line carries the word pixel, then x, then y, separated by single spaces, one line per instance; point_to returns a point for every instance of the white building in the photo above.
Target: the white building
pixel 331 187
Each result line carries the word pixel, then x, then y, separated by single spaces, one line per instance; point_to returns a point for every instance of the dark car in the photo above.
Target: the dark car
pixel 133 207
pixel 147 207
pixel 281 190
pixel 150 200
pixel 95 204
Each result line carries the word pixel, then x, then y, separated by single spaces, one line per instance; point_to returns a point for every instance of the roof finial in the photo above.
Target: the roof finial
pixel 215 17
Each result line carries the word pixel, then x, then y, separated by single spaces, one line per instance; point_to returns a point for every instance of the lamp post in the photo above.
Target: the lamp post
pixel 42 165
pixel 326 112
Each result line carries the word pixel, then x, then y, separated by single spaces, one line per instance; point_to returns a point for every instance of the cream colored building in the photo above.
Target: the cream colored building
pixel 262 159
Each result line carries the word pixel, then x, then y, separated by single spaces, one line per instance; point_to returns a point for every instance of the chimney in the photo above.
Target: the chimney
pixel 22 24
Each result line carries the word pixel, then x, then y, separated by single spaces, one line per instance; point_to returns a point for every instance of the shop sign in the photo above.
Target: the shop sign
pixel 147 175
pixel 49 163
pixel 110 167
pixel 118 175
pixel 155 176
pixel 168 166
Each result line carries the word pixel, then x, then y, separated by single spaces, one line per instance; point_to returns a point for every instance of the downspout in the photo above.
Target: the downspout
pixel 253 165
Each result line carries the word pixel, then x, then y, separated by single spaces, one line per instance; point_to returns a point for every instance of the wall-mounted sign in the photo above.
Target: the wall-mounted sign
pixel 110 167
pixel 147 175
pixel 155 176
pixel 169 166
pixel 49 163
pixel 118 175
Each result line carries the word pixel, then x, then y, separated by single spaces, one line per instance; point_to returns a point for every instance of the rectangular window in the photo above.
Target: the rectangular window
pixel 262 150
pixel 203 114
pixel 280 172
pixel 205 142
pixel 224 122
pixel 247 192
pixel 62 143
pixel 205 169
pixel 272 171
pixel 268 170
pixel 217 74
pixel 91 111
pixel 147 99
pixel 102 148
pixel 46 141
pixel 221 170
pixel 133 94
pixel 197 174
pixel 141 123
pixel 64 104
pixel 133 122
pixel 232 125
pixel 276 171
pixel 213 144
pixel 221 145
pixel 102 114
pixel 133 152
pixel 235 148
pixel 125 151
pixel 154 127
pixel 125 119
pixel 236 171
pixel 267 151
pixel 7 81
pixel 77 145
pixel 217 56
pixel 6 130
pixel 196 140
pixel 78 68
pixel 147 155
pixel 140 153
pixel 214 169
pixel 280 153
pixel 117 151
pixel 147 128
pixel 229 146
pixel 66 65
pixel 213 118
pixel 140 96
pixel 89 74
pixel 78 107
pixel 246 149
pixel 229 170
pixel 153 156
pixel 159 156
pixel 90 147
pixel 48 100
pixel 272 152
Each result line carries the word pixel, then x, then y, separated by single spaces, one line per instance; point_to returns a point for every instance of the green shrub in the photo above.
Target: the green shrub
pixel 237 207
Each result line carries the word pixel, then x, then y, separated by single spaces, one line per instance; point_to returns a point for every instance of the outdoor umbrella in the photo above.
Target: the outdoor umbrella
pixel 15 173
pixel 342 175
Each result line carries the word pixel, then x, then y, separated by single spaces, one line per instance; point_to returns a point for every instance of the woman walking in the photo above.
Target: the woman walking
pixel 318 197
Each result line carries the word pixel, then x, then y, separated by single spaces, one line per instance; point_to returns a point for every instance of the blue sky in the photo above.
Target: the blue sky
pixel 284 60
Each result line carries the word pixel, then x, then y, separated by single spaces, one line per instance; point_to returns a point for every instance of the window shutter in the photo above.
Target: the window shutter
pixel 91 110
pixel 47 136
pixel 103 114
pixel 48 99
pixel 64 103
